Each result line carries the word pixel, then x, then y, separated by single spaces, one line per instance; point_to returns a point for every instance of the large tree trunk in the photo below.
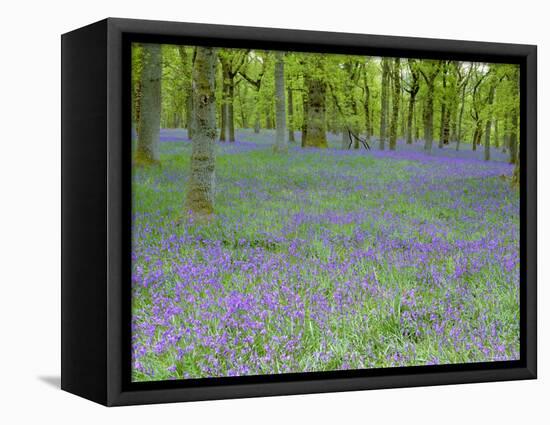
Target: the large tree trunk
pixel 290 101
pixel 200 194
pixel 488 124
pixel 315 135
pixel 395 107
pixel 384 103
pixel 150 104
pixel 280 121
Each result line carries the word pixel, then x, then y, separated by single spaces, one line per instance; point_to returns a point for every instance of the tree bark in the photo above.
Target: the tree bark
pixel 200 194
pixel 488 124
pixel 280 116
pixel 290 101
pixel 315 135
pixel 368 117
pixel 497 135
pixel 395 107
pixel 384 103
pixel 413 89
pixel 150 104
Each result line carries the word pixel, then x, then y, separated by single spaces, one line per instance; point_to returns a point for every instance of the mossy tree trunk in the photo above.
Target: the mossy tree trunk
pixel 316 125
pixel 200 194
pixel 150 104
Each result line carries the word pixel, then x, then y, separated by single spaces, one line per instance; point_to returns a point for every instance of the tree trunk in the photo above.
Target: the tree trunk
pixel 443 108
pixel 497 135
pixel 304 121
pixel 488 124
pixel 316 114
pixel 231 110
pixel 280 121
pixel 506 132
pixel 290 101
pixel 416 123
pixel 224 114
pixel 150 104
pixel 384 103
pixel 513 141
pixel 189 113
pixel 200 194
pixel 395 107
pixel 410 113
pixel 478 132
pixel 459 134
pixel 368 120
pixel 429 118
pixel 346 138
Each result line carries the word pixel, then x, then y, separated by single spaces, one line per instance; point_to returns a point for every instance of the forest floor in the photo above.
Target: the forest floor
pixel 322 260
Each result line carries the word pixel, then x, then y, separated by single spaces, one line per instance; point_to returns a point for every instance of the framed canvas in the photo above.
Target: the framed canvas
pixel 253 212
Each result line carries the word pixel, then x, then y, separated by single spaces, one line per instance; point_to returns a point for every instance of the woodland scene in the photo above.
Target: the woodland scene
pixel 306 212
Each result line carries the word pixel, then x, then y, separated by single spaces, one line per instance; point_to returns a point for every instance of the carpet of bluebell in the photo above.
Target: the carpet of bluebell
pixel 323 260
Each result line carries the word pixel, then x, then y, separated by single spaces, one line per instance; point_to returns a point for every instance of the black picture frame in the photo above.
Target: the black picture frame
pixel 96 194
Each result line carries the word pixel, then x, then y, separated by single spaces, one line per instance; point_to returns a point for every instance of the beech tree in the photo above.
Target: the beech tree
pixel 316 108
pixel 149 105
pixel 200 192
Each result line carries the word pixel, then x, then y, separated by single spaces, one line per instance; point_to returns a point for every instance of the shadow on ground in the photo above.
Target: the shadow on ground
pixel 54 381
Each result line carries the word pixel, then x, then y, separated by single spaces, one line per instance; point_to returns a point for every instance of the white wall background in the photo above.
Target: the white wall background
pixel 30 210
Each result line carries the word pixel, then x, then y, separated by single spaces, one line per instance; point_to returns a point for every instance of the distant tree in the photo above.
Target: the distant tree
pixel 187 64
pixel 489 117
pixel 231 60
pixel 429 70
pixel 280 120
pixel 384 99
pixel 367 102
pixel 254 76
pixel 412 87
pixel 396 73
pixel 200 193
pixel 513 147
pixel 290 101
pixel 478 105
pixel 150 105
pixel 445 107
pixel 463 78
